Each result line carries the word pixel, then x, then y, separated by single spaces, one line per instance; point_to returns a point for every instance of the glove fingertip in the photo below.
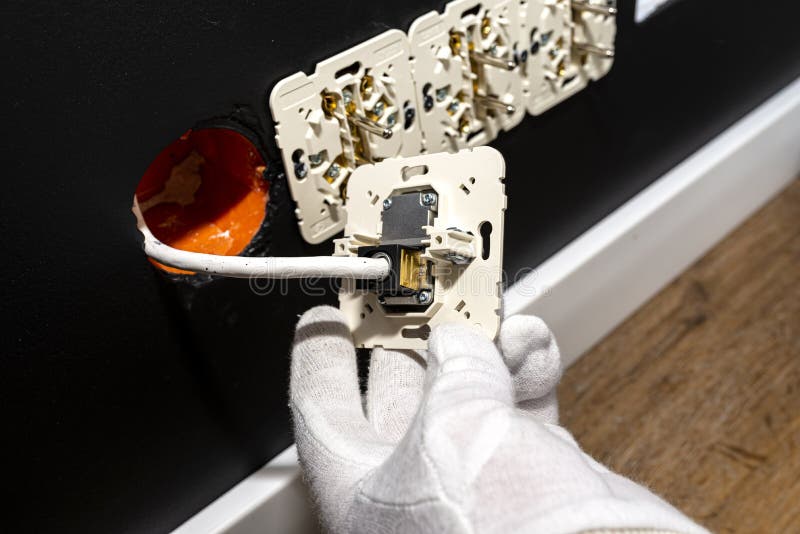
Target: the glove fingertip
pixel 520 336
pixel 320 314
pixel 456 339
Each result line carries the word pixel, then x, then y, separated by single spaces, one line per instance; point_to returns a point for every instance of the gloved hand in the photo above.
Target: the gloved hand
pixel 458 439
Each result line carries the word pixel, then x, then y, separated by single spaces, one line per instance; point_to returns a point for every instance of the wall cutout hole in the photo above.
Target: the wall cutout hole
pixel 205 192
pixel 486 234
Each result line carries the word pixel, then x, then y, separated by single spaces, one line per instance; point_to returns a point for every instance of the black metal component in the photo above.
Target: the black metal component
pixel 391 294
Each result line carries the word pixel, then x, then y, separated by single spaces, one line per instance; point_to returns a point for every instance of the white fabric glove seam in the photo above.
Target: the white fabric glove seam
pixel 395 505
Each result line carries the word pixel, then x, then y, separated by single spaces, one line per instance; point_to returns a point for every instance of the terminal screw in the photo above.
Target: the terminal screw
pixel 378 109
pixel 315 159
pixel 387 203
pixel 333 170
pixel 428 199
pixel 424 297
pixel 300 170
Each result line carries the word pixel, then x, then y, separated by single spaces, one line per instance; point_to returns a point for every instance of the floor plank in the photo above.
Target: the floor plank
pixel 697 395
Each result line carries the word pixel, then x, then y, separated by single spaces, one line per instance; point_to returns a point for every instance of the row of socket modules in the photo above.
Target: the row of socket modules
pixel 454 81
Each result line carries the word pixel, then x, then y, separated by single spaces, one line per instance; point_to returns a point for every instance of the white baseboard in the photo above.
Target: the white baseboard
pixel 594 283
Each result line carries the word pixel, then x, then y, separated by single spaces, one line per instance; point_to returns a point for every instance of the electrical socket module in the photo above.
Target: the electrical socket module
pixel 358 107
pixel 467 72
pixel 458 80
pixel 438 220
pixel 568 44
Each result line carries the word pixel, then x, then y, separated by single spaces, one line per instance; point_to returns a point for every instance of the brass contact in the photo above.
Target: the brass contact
pixel 455 44
pixel 486 27
pixel 562 68
pixel 366 86
pixel 463 126
pixel 329 103
pixel 412 269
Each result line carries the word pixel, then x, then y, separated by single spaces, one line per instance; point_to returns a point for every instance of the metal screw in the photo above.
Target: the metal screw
pixel 300 170
pixel 315 159
pixel 522 56
pixel 347 96
pixel 378 109
pixel 387 203
pixel 333 170
pixel 493 50
pixel 441 94
pixel 410 114
pixel 427 102
pixel 453 107
pixel 428 199
pixel 391 120
pixel 424 297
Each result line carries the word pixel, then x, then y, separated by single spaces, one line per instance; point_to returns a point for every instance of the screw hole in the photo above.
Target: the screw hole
pixel 485 230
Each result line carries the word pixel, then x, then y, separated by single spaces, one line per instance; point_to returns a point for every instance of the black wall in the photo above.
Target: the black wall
pixel 131 401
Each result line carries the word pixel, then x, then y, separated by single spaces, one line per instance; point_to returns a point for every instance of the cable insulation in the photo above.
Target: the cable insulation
pixel 260 267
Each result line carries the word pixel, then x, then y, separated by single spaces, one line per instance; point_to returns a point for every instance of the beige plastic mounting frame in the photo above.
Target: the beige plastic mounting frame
pixel 471 194
pixel 321 147
pixel 444 47
pixel 555 69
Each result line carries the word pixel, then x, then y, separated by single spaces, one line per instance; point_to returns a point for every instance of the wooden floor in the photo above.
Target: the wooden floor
pixel 697 395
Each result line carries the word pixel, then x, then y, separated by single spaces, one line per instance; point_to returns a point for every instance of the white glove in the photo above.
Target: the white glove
pixel 452 440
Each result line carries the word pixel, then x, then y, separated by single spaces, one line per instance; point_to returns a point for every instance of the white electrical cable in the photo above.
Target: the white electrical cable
pixel 260 267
